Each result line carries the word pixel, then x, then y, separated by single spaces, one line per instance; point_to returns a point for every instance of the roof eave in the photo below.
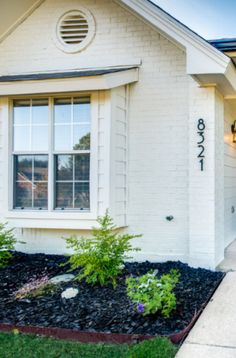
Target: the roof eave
pixel 180 34
pixel 204 62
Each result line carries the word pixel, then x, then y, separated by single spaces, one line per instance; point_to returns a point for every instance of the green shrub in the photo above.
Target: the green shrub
pixel 100 257
pixel 153 294
pixel 7 242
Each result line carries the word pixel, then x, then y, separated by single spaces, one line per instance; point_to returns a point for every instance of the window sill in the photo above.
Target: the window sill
pixel 51 220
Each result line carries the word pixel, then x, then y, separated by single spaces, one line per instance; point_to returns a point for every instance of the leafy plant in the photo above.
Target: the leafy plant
pixel 153 294
pixel 36 288
pixel 7 243
pixel 100 257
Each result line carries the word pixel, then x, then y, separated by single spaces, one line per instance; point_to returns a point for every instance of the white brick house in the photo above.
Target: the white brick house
pixel 114 104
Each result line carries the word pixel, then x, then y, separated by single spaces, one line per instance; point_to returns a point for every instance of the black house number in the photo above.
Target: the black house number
pixel 201 128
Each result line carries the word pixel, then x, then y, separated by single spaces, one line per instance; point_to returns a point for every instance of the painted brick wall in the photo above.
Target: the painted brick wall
pixel 158 116
pixel 219 178
pixel 206 190
pixel 229 174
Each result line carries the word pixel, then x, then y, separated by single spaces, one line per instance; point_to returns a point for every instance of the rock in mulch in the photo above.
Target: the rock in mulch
pixel 70 293
pixel 99 309
pixel 62 278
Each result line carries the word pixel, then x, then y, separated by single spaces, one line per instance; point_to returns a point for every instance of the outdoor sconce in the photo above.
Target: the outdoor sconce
pixel 233 129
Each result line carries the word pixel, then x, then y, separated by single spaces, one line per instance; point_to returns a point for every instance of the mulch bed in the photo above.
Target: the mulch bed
pixel 97 309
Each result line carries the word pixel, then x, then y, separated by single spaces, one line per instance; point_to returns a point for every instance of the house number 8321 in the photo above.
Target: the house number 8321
pixel 201 132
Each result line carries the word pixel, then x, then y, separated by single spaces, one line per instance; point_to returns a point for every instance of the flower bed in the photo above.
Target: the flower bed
pixel 99 309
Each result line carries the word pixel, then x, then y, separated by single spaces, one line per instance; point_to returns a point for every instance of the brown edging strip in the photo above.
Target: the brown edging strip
pixel 84 337
pixel 94 337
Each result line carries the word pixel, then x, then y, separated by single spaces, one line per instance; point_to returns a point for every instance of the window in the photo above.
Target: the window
pixel 51 151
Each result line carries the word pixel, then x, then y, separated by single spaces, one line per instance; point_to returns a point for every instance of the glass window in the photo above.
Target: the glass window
pixel 31 181
pixel 81 110
pixel 72 181
pixel 72 124
pixel 40 112
pixel 67 158
pixel 30 125
pixel 21 112
pixel 62 111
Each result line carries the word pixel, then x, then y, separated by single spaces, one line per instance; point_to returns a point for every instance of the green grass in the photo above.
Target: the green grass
pixel 29 346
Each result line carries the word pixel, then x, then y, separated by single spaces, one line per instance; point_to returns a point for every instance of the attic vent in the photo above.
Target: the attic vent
pixel 75 30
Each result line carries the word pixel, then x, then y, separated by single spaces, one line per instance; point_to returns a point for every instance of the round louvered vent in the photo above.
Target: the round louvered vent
pixel 75 30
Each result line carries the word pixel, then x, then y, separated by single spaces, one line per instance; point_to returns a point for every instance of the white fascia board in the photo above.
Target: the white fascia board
pixel 91 83
pixel 230 74
pixel 201 56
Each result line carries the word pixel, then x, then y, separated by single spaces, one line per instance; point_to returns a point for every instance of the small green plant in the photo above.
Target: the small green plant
pixel 100 257
pixel 153 294
pixel 7 243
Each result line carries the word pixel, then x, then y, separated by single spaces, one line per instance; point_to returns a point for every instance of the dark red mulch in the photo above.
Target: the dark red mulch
pixel 98 309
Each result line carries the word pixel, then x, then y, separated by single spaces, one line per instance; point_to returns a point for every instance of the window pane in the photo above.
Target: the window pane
pixel 23 195
pixel 40 193
pixel 62 137
pixel 62 110
pixel 81 110
pixel 64 167
pixel 21 112
pixel 82 162
pixel 40 111
pixel 21 138
pixel 23 168
pixel 40 168
pixel 81 140
pixel 64 195
pixel 81 195
pixel 39 138
pixel 29 191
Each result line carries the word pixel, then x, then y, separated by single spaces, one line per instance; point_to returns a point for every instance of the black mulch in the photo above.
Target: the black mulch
pixel 97 309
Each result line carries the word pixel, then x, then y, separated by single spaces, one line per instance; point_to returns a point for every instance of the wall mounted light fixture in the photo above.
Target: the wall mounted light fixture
pixel 233 129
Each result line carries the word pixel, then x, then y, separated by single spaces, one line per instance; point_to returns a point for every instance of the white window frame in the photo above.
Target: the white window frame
pixel 52 218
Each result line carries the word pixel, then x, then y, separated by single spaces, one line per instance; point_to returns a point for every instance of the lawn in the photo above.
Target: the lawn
pixel 28 346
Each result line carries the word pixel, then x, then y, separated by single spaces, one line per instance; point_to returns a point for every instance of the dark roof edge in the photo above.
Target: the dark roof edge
pixel 62 75
pixel 224 45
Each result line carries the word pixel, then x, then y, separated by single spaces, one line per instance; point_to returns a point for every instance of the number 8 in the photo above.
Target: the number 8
pixel 201 125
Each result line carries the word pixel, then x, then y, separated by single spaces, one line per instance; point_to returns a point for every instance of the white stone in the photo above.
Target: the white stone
pixel 62 278
pixel 70 293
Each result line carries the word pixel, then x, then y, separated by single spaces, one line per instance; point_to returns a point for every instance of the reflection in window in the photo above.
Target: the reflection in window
pixel 30 120
pixel 65 155
pixel 31 181
pixel 72 181
pixel 72 124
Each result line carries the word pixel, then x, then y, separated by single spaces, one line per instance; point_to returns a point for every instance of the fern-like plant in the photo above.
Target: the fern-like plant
pixel 7 243
pixel 101 256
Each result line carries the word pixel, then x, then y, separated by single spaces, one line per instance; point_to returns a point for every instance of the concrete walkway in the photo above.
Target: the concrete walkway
pixel 214 335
